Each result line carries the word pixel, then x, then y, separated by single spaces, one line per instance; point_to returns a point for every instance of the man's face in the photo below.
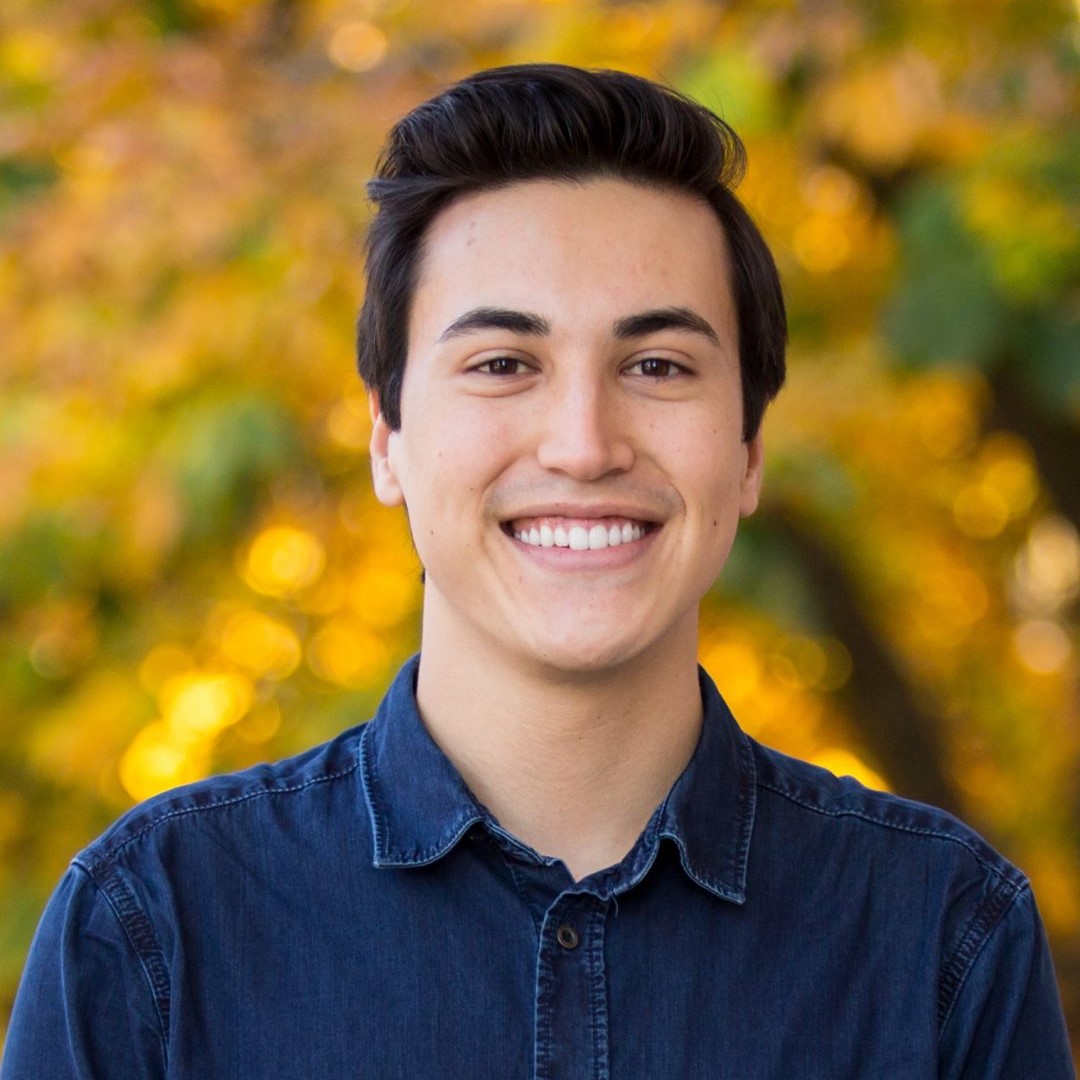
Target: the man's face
pixel 570 450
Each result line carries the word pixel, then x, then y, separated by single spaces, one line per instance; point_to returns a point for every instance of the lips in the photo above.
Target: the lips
pixel 577 534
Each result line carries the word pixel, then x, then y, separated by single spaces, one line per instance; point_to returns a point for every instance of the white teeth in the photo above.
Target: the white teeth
pixel 578 538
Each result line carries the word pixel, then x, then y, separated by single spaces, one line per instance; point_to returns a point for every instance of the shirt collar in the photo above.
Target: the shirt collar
pixel 420 807
pixel 709 813
pixel 419 804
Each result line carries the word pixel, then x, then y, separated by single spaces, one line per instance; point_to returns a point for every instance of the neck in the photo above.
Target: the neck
pixel 571 763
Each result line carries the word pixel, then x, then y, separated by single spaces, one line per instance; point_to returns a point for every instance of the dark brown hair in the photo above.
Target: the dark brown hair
pixel 549 121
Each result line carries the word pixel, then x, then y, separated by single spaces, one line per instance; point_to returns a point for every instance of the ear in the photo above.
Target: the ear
pixel 750 487
pixel 384 476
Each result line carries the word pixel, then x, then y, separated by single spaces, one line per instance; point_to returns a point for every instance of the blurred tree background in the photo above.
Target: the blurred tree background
pixel 194 575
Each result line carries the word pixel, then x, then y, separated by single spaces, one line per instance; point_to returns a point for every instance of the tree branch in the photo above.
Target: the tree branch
pixel 903 736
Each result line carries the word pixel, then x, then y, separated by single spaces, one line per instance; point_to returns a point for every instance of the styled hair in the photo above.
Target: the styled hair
pixel 553 122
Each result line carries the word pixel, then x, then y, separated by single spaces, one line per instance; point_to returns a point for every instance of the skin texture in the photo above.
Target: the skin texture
pixel 573 360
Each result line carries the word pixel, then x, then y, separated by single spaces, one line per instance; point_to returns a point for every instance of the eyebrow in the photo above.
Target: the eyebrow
pixel 630 326
pixel 490 318
pixel 672 318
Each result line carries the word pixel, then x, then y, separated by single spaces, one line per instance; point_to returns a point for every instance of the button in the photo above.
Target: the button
pixel 567 936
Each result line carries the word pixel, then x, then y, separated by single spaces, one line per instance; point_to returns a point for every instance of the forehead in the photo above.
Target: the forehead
pixel 578 253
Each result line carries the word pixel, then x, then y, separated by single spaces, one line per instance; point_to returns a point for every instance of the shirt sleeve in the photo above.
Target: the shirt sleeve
pixel 84 1007
pixel 1007 1022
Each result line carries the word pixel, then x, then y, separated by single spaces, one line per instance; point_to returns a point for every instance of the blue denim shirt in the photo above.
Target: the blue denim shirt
pixel 354 912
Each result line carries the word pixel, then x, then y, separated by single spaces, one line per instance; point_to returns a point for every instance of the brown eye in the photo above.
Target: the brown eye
pixel 657 367
pixel 502 365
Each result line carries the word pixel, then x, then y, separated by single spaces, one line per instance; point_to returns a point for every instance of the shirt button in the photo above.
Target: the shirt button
pixel 567 936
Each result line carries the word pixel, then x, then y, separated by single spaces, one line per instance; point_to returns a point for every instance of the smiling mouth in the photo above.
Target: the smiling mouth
pixel 577 534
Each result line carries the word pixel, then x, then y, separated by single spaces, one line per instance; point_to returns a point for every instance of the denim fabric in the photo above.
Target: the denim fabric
pixel 354 912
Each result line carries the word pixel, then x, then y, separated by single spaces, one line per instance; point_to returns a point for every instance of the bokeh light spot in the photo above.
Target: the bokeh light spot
pixel 1047 568
pixel 347 653
pixel 382 597
pixel 979 510
pixel 284 560
pixel 822 244
pixel 260 645
pixel 349 424
pixel 1042 645
pixel 261 724
pixel 831 190
pixel 156 760
pixel 357 46
pixel 735 666
pixel 162 663
pixel 201 705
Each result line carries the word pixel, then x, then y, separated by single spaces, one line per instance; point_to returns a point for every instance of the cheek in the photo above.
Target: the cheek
pixel 446 463
pixel 718 497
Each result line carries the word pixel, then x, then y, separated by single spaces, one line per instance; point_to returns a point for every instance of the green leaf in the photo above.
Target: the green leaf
pixel 222 451
pixel 1047 351
pixel 945 309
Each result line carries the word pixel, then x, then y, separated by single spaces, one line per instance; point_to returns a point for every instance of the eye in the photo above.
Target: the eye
pixel 656 367
pixel 502 365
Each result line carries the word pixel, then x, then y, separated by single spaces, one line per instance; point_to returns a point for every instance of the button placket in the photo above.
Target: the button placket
pixel 571 1002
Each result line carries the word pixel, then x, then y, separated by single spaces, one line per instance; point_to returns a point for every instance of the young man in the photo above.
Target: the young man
pixel 552 853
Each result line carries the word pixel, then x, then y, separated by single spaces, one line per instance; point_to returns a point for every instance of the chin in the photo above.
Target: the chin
pixel 571 659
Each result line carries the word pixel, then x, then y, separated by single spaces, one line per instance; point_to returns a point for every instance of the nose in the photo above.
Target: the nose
pixel 584 432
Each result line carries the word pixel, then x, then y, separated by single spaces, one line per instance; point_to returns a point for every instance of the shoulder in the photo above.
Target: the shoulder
pixel 820 803
pixel 174 878
pixel 900 871
pixel 270 793
pixel 906 866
